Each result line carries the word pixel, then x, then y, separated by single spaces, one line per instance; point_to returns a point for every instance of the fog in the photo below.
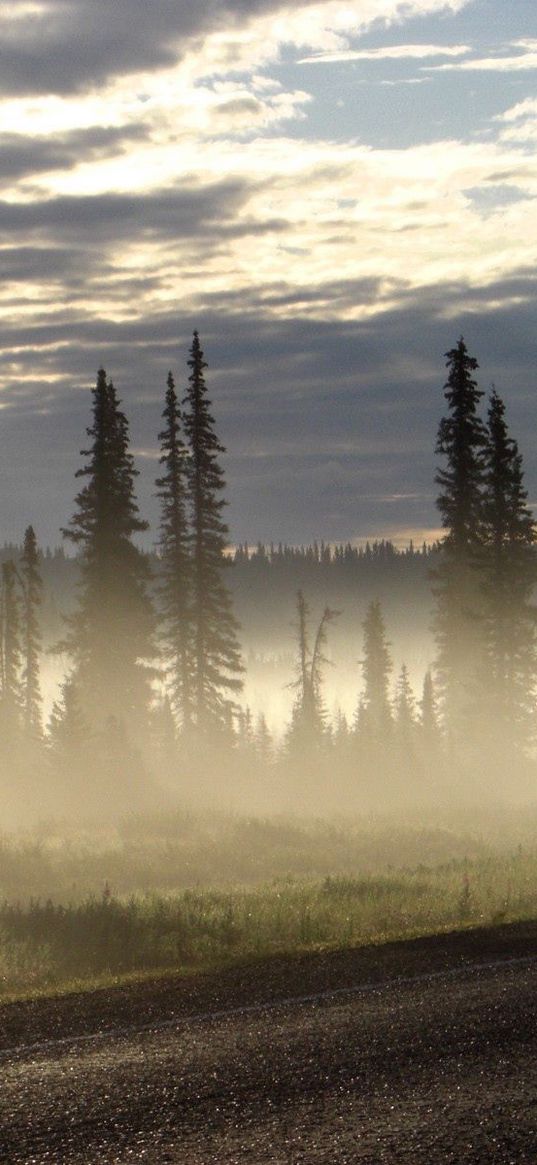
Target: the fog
pixel 333 797
pixel 279 756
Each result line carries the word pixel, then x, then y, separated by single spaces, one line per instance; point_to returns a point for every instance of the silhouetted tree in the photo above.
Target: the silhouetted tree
pixel 164 738
pixel 110 636
pixel 216 661
pixel 306 720
pixel 374 714
pixel 429 728
pixel 307 726
pixel 245 731
pixel 263 742
pixel 405 707
pixel 510 575
pixel 10 649
pixel 32 587
pixel 67 730
pixel 175 588
pixel 341 731
pixel 459 631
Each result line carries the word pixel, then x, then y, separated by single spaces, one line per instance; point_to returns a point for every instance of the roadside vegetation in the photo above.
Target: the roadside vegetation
pixel 81 910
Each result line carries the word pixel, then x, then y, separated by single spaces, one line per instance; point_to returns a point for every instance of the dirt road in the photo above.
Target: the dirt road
pixel 436 1065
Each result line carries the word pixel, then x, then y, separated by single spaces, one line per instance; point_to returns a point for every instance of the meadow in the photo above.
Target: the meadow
pixel 193 893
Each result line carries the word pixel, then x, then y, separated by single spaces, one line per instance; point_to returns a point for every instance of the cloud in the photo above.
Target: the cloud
pixel 398 52
pixel 67 46
pixel 387 221
pixel 172 213
pixel 521 60
pixel 181 182
pixel 519 122
pixel 325 423
pixel 21 156
pixel 523 109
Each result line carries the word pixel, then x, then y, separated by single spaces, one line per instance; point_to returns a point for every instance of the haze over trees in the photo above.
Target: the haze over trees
pixel 509 579
pixel 110 634
pixel 459 627
pixel 32 590
pixel 216 661
pixel 485 621
pixel 151 709
pixel 308 728
pixel 175 590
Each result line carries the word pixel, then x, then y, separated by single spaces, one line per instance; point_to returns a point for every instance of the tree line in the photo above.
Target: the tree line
pixel 155 671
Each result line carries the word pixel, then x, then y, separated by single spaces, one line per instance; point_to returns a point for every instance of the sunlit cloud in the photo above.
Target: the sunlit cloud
pixel 388 53
pixel 311 210
pixel 188 173
pixel 519 122
pixel 525 59
pixel 20 10
pixel 523 109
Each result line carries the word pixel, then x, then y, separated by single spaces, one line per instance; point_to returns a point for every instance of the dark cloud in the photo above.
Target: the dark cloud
pixel 78 44
pixel 239 105
pixel 183 211
pixel 329 426
pixel 21 156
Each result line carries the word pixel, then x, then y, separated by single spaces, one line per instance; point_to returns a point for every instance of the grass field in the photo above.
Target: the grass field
pixel 74 933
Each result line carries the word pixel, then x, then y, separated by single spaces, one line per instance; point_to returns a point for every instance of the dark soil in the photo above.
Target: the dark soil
pixel 431 1061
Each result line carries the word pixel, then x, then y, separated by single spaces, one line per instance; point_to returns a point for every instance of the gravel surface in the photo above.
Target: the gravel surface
pixel 436 1065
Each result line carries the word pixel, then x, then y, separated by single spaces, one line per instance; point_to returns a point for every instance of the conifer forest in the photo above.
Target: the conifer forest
pixel 164 664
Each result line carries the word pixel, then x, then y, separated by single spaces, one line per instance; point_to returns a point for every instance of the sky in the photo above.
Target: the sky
pixel 330 192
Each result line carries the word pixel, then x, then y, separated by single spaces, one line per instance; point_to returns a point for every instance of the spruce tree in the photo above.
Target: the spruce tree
pixel 510 575
pixel 263 742
pixel 67 730
pixel 245 731
pixel 405 706
pixel 32 587
pixel 175 587
pixel 374 713
pixel 216 661
pixel 429 729
pixel 10 653
pixel 110 636
pixel 458 623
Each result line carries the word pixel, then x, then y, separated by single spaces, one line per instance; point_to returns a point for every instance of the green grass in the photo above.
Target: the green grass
pixel 191 893
pixel 47 945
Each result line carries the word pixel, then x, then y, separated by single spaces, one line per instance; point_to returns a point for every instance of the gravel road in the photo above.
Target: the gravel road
pixel 424 1069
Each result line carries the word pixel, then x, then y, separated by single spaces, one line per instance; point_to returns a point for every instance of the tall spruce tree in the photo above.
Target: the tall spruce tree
pixel 110 636
pixel 374 713
pixel 32 587
pixel 175 588
pixel 510 575
pixel 458 624
pixel 216 661
pixel 10 654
